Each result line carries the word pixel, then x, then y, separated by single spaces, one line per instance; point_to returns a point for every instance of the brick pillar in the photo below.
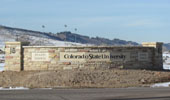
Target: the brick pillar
pixel 14 56
pixel 157 54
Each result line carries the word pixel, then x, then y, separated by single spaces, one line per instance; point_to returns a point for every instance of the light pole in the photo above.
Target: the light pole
pixel 75 34
pixel 65 32
pixel 65 27
pixel 43 27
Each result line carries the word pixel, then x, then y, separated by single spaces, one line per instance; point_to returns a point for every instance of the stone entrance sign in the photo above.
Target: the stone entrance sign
pixel 40 57
pixel 19 56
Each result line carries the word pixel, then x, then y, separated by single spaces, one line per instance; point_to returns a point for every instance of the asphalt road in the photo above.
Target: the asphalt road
pixel 87 94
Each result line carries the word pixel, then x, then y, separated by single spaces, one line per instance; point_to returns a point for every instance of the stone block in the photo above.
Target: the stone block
pixel 9 57
pixel 83 50
pixel 51 51
pixel 67 63
pixel 67 68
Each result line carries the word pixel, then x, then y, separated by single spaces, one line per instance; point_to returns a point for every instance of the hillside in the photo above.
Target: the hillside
pixel 72 37
pixel 58 39
pixel 34 37
pixel 12 34
pixel 166 47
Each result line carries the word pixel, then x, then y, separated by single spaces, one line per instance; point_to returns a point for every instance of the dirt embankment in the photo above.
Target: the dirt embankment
pixel 107 78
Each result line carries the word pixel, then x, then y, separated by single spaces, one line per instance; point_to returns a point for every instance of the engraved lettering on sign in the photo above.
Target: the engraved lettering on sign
pixel 142 56
pixel 40 57
pixel 84 56
pixel 117 56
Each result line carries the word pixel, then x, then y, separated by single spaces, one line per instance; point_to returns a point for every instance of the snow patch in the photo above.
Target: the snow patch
pixel 2 66
pixel 166 84
pixel 2 56
pixel 44 88
pixel 14 88
pixel 51 42
pixel 166 61
pixel 166 67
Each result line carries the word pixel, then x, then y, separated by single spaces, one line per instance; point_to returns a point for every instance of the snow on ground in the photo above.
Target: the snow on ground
pixel 166 54
pixel 166 59
pixel 2 64
pixel 63 43
pixel 2 67
pixel 2 56
pixel 14 88
pixel 166 84
pixel 166 67
pixel 2 46
pixel 51 42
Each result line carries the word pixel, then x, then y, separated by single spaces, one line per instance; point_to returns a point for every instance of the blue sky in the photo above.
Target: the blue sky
pixel 135 20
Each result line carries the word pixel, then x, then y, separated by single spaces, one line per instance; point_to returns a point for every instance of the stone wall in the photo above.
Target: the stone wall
pixel 157 54
pixel 13 56
pixel 65 58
